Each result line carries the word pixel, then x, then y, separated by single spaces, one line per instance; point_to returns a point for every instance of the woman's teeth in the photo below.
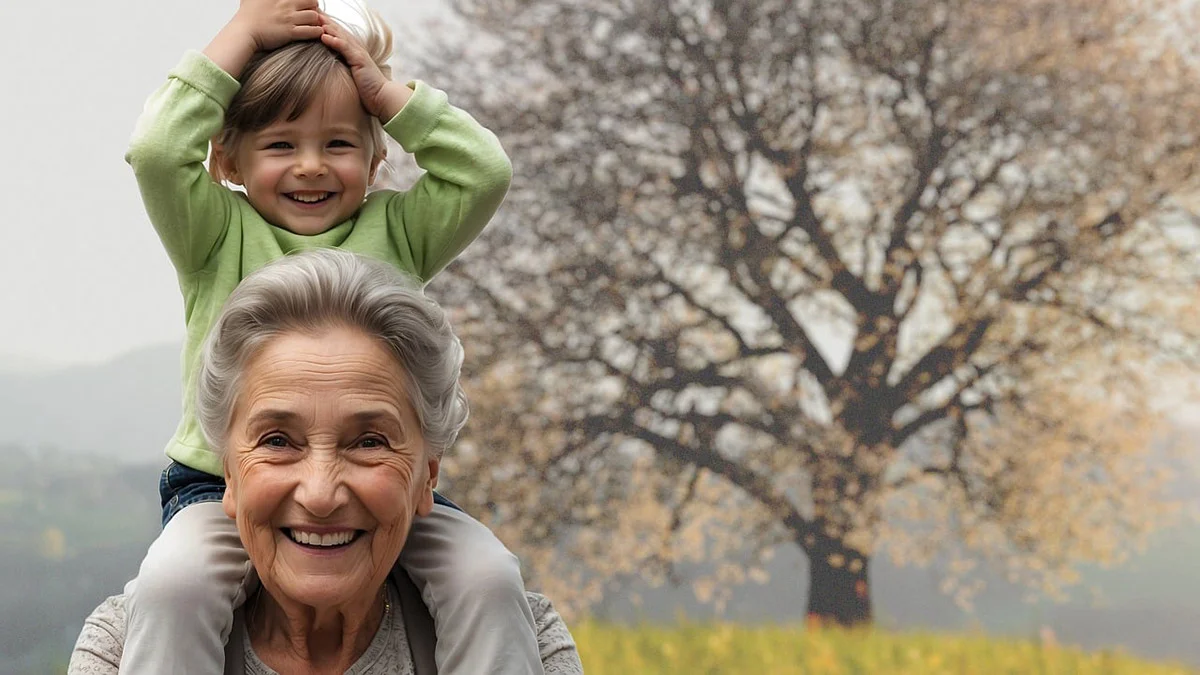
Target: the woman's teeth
pixel 314 539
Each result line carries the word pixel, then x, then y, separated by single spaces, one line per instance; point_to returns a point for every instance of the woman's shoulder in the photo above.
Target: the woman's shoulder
pixel 557 647
pixel 98 649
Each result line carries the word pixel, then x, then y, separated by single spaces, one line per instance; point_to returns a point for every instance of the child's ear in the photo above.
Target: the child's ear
pixel 375 162
pixel 225 167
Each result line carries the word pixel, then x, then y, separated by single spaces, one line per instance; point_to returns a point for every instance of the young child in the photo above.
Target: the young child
pixel 296 107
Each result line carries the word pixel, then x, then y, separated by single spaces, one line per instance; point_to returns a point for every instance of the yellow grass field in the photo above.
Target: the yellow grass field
pixel 782 650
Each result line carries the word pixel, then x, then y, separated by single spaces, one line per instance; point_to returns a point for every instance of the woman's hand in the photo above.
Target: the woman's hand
pixel 261 25
pixel 380 96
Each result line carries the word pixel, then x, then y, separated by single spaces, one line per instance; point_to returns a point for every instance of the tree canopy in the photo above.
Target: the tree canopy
pixel 852 275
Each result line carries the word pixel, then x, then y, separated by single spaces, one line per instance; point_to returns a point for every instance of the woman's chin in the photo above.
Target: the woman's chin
pixel 319 591
pixel 321 575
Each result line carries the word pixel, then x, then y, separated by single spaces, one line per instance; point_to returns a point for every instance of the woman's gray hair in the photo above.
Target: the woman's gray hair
pixel 312 291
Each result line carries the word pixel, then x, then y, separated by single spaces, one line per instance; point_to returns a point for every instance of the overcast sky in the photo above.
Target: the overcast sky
pixel 82 275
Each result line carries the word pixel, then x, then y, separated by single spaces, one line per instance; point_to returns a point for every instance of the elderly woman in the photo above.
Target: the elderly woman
pixel 331 386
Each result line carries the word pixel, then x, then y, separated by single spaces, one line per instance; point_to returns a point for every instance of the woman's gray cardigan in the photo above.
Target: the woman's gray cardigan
pixel 98 650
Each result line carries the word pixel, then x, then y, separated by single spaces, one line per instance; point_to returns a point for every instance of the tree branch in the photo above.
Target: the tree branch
pixel 757 486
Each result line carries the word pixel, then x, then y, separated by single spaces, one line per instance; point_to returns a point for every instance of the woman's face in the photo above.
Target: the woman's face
pixel 326 466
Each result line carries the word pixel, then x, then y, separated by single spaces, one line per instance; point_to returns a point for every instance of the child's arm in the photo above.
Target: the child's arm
pixel 467 171
pixel 189 211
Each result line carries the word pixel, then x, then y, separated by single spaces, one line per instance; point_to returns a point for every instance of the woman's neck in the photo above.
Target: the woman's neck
pixel 290 637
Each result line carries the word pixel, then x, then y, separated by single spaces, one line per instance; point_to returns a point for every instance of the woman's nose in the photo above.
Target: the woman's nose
pixel 321 491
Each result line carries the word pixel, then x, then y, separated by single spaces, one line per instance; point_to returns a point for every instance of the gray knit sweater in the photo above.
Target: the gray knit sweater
pixel 404 644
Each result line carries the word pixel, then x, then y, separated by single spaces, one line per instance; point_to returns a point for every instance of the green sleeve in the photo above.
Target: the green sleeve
pixel 190 212
pixel 466 176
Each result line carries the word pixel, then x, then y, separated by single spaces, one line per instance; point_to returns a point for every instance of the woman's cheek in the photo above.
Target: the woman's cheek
pixel 381 489
pixel 386 492
pixel 263 488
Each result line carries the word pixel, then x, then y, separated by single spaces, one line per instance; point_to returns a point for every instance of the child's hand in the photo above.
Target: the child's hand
pixel 380 96
pixel 275 23
pixel 261 25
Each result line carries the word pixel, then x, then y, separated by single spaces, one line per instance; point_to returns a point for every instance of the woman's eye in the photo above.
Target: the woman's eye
pixel 371 442
pixel 275 441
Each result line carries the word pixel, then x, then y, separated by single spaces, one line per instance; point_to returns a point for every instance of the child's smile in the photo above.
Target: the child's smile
pixel 308 204
pixel 309 174
pixel 310 198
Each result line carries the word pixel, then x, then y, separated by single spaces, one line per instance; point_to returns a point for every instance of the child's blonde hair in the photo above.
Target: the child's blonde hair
pixel 283 83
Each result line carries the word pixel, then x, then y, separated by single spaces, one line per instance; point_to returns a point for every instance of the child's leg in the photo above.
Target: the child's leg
pixel 180 607
pixel 472 585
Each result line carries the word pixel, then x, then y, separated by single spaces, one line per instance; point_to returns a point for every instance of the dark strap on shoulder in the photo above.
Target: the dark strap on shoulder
pixel 235 652
pixel 422 638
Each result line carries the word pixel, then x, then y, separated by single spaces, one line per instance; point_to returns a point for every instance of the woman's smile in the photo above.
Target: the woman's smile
pixel 315 540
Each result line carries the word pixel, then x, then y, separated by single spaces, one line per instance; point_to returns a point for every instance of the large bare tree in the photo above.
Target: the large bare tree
pixel 854 275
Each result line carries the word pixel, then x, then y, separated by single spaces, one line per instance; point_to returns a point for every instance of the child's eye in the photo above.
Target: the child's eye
pixel 339 143
pixel 279 145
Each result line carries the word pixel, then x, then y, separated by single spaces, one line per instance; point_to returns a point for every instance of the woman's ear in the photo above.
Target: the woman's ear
pixel 425 505
pixel 229 499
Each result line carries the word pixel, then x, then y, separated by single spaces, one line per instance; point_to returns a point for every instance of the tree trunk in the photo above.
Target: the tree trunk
pixel 838 590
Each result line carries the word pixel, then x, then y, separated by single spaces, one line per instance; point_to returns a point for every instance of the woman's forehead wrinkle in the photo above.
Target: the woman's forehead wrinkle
pixel 296 367
pixel 305 367
pixel 271 415
pixel 325 369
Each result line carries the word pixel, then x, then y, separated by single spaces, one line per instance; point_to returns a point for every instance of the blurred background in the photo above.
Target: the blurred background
pixel 799 315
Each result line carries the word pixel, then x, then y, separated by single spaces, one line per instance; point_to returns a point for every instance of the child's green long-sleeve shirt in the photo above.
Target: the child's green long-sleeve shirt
pixel 215 238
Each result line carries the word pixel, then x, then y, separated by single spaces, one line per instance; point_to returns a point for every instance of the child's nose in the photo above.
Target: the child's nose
pixel 310 164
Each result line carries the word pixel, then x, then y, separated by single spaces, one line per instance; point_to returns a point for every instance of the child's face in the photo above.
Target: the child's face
pixel 309 174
